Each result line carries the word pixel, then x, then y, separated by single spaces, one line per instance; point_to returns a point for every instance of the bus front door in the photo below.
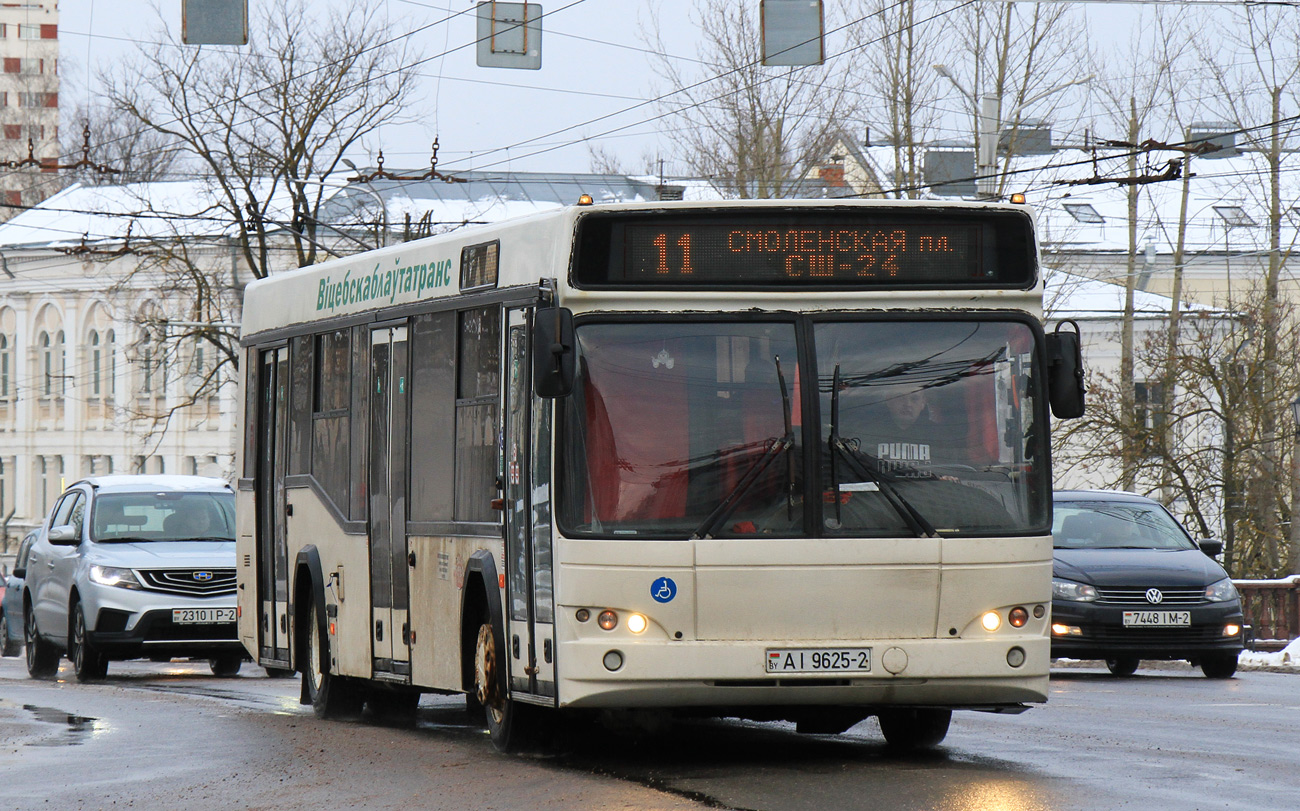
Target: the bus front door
pixel 527 477
pixel 389 626
pixel 272 538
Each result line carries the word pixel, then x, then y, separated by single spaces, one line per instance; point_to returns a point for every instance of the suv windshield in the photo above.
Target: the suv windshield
pixel 681 429
pixel 1116 525
pixel 163 516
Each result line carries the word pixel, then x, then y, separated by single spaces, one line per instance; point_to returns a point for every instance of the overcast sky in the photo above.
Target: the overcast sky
pixel 593 68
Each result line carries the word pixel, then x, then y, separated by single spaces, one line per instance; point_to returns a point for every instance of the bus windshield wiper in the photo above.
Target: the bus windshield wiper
pixel 775 447
pixel 871 471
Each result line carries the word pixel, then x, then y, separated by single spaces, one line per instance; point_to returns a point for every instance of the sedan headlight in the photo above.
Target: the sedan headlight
pixel 113 576
pixel 1221 592
pixel 1070 590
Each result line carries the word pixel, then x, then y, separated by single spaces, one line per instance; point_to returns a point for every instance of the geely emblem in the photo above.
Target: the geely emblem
pixel 204 577
pixel 1154 596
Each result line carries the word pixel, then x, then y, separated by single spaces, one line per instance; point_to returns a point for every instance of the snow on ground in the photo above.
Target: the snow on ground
pixel 1286 659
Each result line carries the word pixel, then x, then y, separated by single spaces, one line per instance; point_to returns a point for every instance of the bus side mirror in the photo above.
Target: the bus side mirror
pixel 554 351
pixel 1065 372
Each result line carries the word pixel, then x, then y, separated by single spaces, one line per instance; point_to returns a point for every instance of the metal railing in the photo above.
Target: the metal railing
pixel 1272 609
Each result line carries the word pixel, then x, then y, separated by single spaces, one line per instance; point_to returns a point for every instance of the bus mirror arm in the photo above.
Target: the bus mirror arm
pixel 1065 388
pixel 554 351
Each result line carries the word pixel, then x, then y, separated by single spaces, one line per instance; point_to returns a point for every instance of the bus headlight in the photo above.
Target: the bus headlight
pixel 636 623
pixel 991 621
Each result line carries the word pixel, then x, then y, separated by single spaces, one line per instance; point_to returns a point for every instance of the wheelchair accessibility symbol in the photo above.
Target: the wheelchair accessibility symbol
pixel 663 590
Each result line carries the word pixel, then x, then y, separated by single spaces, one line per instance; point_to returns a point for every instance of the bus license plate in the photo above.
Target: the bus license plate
pixel 206 616
pixel 819 660
pixel 1157 619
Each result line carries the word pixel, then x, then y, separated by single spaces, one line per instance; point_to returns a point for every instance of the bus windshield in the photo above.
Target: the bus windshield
pixel 686 428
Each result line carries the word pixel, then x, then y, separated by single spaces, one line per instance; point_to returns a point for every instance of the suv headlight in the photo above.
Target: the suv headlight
pixel 113 576
pixel 1070 590
pixel 1221 591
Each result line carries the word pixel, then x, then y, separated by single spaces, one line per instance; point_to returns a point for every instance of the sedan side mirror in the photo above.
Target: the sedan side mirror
pixel 65 535
pixel 1211 546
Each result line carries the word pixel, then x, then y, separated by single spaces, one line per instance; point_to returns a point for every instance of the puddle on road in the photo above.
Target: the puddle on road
pixel 75 728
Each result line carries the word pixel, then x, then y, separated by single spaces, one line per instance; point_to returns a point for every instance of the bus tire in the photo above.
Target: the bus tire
pixel 42 655
pixel 911 729
pixel 330 696
pixel 513 727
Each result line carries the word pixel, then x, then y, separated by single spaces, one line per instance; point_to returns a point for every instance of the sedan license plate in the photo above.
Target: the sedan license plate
pixel 819 660
pixel 1157 619
pixel 206 616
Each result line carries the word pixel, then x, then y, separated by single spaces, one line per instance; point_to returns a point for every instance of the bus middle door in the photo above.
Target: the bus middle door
pixel 389 594
pixel 272 537
pixel 530 601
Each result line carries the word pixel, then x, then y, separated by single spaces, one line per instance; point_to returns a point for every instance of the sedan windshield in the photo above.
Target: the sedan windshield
pixel 1116 525
pixel 701 429
pixel 163 516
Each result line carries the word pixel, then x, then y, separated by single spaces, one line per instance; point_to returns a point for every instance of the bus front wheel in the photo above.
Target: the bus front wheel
pixel 910 729
pixel 331 696
pixel 513 726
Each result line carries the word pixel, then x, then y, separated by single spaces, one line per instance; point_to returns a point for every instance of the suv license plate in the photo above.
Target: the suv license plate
pixel 206 616
pixel 1157 619
pixel 819 660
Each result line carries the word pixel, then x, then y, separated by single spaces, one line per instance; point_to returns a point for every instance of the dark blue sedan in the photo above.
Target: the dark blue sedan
pixel 1129 583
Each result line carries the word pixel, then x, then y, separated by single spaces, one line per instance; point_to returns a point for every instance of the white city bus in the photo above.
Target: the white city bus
pixel 773 460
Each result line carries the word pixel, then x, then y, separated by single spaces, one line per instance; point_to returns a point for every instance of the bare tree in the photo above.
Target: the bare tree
pixel 1255 90
pixel 898 45
pixel 755 130
pixel 260 127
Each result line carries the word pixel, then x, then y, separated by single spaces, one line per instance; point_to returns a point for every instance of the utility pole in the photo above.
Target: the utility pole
pixel 1128 410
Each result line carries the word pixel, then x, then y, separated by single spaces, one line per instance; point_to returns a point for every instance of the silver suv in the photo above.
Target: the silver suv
pixel 129 567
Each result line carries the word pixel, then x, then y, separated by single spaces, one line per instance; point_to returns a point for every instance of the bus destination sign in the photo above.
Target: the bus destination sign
pixel 805 251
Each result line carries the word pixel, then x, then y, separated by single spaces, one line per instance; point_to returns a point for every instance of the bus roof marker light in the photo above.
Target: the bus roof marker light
pixel 1018 199
pixel 585 200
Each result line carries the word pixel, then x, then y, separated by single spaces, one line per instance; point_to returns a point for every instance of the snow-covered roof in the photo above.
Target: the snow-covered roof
pixel 1069 295
pixel 158 210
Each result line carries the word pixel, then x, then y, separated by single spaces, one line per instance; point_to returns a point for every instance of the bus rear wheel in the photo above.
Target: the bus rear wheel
pixel 513 726
pixel 910 729
pixel 331 696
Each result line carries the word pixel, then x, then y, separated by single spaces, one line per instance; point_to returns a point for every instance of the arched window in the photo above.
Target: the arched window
pixel 47 365
pixel 4 366
pixel 96 360
pixel 61 359
pixel 110 366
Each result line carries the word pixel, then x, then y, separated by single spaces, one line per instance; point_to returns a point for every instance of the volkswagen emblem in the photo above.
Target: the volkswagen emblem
pixel 204 577
pixel 1154 596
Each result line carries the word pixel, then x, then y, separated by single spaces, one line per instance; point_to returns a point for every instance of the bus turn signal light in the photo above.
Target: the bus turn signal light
pixel 607 620
pixel 1018 617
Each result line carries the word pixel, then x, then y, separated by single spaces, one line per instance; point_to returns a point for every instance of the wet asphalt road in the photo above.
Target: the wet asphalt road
pixel 173 737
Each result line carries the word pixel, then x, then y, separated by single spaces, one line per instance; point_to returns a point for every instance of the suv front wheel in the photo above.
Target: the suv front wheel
pixel 88 663
pixel 42 656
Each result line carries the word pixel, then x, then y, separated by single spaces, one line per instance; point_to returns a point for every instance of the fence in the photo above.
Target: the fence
pixel 1272 609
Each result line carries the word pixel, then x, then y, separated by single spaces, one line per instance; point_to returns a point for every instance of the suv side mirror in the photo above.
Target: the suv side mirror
pixel 65 535
pixel 20 572
pixel 1065 372
pixel 1211 546
pixel 554 350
